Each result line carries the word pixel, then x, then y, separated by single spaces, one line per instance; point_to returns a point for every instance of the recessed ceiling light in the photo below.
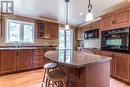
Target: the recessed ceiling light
pixel 81 14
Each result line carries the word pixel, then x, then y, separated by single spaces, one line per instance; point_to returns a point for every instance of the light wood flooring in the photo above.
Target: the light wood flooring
pixel 33 79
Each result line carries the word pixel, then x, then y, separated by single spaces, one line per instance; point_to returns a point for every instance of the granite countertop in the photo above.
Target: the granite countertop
pixel 76 59
pixel 24 48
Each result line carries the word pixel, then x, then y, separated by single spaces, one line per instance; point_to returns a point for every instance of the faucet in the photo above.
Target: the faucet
pixel 16 44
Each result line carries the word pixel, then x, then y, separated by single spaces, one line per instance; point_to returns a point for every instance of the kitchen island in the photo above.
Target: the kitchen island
pixel 82 69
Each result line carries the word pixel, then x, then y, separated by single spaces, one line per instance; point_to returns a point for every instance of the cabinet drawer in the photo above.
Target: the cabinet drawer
pixel 38 59
pixel 37 64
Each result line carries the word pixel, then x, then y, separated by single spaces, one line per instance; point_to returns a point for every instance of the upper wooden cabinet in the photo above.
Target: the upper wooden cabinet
pixel 0 26
pixel 41 26
pixel 51 30
pixel 106 22
pixel 122 18
pixel 47 30
pixel 94 25
pixel 80 33
pixel 116 19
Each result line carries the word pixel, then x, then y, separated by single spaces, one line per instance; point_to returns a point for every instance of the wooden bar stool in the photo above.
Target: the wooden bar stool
pixel 47 68
pixel 56 77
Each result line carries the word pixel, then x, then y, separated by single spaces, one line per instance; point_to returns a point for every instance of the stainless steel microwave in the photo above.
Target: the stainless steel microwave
pixel 91 34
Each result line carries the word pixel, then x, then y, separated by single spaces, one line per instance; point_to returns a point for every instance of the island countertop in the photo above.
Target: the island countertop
pixel 76 59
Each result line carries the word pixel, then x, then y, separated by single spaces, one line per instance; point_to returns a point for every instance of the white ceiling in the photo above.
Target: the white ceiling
pixel 55 9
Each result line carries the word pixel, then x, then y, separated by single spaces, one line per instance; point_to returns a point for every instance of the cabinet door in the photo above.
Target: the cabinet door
pixel 48 31
pixel 122 66
pixel 98 52
pixel 7 61
pixel 55 30
pixel 112 62
pixel 0 27
pixel 41 26
pixel 24 61
pixel 51 30
pixel 122 18
pixel 80 32
pixel 106 22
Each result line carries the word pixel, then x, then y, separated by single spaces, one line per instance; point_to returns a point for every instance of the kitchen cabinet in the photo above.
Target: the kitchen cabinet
pixel 95 25
pixel 47 30
pixel 122 66
pixel 52 30
pixel 122 18
pixel 80 32
pixel 0 26
pixel 98 52
pixel 106 22
pixel 38 58
pixel 41 26
pixel 7 61
pixel 24 59
pixel 116 19
pixel 112 62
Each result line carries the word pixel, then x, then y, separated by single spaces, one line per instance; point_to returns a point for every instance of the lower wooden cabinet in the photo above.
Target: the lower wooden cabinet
pixel 24 59
pixel 38 58
pixel 122 66
pixel 7 61
pixel 112 62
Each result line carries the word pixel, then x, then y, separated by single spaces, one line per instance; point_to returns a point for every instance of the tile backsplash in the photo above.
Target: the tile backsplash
pixel 38 42
pixel 92 43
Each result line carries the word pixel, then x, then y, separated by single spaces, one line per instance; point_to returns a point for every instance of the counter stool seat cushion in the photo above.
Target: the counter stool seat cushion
pixel 50 65
pixel 56 75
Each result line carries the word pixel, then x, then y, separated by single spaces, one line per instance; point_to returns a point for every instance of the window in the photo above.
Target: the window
pixel 19 31
pixel 65 39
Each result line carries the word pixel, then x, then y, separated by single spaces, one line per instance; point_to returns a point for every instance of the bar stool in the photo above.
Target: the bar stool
pixel 47 68
pixel 56 76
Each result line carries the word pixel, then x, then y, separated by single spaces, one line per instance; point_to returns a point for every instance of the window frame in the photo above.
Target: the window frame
pixel 65 30
pixel 22 23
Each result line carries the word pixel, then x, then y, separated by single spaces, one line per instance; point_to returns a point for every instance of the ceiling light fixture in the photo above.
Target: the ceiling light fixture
pixel 89 15
pixel 67 15
pixel 81 14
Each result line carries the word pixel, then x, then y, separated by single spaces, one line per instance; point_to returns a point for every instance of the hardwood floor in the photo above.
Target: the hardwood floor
pixel 33 79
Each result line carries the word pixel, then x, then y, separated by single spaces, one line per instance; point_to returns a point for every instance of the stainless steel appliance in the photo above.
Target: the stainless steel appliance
pixel 91 34
pixel 116 40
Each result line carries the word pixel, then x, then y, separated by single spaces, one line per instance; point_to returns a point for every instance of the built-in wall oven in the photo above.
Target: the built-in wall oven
pixel 116 40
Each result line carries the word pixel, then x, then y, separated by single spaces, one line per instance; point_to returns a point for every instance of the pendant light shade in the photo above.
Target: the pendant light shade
pixel 89 15
pixel 67 15
pixel 67 26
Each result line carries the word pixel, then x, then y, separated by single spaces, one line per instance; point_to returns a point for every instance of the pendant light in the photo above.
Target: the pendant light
pixel 67 15
pixel 89 15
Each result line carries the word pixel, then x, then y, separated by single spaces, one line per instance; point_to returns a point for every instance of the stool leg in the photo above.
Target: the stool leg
pixel 48 83
pixel 43 76
pixel 53 84
pixel 64 83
